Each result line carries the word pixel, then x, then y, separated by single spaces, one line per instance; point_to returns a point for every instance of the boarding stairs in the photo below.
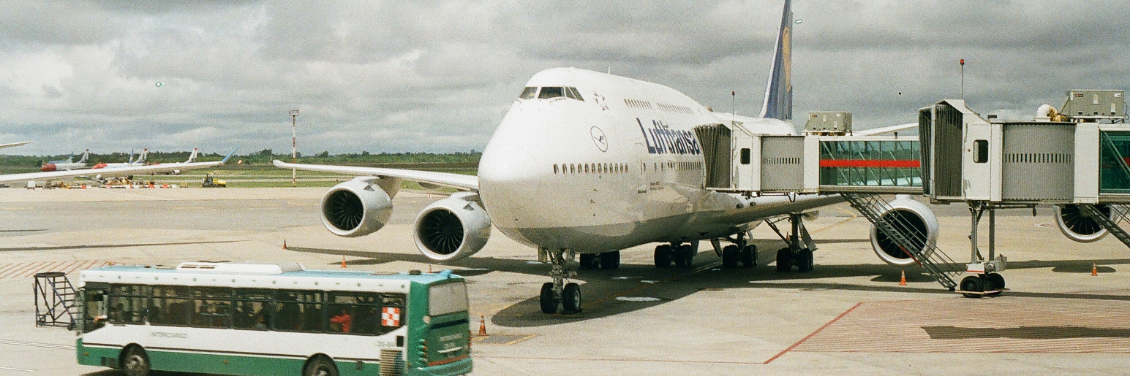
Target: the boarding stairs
pixel 939 265
pixel 1118 213
pixel 54 300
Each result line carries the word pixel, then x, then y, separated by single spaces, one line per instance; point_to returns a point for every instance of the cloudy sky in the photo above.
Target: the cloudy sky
pixel 437 76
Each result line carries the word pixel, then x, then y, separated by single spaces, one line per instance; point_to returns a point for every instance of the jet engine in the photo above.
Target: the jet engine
pixel 453 228
pixel 1079 227
pixel 921 222
pixel 356 208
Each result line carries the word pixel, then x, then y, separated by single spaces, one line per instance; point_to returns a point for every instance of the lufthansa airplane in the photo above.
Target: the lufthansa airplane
pixel 587 163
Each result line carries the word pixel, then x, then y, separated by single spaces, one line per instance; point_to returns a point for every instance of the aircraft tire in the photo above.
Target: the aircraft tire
pixel 749 256
pixel 609 260
pixel 571 299
pixel 784 260
pixel 548 300
pixel 588 261
pixel 804 261
pixel 730 257
pixel 663 256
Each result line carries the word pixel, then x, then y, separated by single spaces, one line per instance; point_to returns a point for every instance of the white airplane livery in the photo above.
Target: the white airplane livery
pixel 587 163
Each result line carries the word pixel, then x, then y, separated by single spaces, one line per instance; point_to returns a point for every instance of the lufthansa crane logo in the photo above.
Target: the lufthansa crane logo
pixel 599 139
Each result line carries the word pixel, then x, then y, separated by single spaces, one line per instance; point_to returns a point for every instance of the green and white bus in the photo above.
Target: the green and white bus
pixel 272 319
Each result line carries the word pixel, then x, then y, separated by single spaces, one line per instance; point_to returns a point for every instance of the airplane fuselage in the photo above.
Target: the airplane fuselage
pixel 594 162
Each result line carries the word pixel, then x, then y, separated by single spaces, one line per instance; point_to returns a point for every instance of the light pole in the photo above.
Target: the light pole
pixel 294 146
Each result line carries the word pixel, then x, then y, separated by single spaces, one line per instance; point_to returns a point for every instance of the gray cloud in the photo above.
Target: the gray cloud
pixel 438 75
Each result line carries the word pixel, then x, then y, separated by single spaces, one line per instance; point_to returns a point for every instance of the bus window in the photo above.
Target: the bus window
pixel 211 307
pixel 169 306
pixel 253 309
pixel 300 311
pixel 342 311
pixel 127 304
pixel 447 298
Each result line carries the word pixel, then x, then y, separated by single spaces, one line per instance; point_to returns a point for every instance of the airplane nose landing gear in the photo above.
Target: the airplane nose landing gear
pixel 558 293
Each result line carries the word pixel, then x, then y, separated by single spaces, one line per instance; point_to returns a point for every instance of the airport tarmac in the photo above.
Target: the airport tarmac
pixel 848 317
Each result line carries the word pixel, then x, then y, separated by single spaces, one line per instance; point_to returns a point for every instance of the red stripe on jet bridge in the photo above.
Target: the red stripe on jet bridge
pixel 891 163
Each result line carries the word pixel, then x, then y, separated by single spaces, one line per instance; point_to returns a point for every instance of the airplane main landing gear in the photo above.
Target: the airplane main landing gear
pixel 682 255
pixel 799 251
pixel 606 261
pixel 553 294
pixel 739 252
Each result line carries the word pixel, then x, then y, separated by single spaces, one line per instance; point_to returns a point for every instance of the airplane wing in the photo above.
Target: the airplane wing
pixel 881 130
pixel 457 181
pixel 108 172
pixel 21 143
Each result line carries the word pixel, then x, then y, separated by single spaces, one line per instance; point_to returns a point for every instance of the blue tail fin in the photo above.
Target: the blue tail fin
pixel 779 91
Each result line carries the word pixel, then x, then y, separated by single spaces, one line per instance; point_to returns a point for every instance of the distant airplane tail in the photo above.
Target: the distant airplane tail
pixel 84 156
pixel 141 157
pixel 779 91
pixel 192 157
pixel 225 160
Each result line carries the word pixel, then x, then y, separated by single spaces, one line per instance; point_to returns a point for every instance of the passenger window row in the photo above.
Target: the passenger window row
pixel 590 168
pixel 674 166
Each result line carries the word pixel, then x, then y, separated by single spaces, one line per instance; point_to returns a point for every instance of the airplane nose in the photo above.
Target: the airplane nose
pixel 508 181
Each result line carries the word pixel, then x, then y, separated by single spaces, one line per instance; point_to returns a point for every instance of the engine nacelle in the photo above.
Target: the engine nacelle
pixel 356 208
pixel 1078 227
pixel 453 228
pixel 920 219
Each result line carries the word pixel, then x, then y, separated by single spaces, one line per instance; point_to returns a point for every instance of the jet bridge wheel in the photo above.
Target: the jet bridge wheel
pixel 996 279
pixel 548 298
pixel 972 283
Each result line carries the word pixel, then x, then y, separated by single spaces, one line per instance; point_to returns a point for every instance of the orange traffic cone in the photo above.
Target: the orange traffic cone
pixel 902 280
pixel 1094 270
pixel 482 326
pixel 343 261
pixel 284 243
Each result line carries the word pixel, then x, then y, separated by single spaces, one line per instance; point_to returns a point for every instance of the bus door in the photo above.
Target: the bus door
pixel 93 310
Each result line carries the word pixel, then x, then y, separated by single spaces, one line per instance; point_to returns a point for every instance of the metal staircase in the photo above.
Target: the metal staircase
pixel 940 266
pixel 1119 214
pixel 54 299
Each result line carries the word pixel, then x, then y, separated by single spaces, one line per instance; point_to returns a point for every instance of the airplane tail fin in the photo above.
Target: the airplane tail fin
pixel 779 91
pixel 141 157
pixel 225 160
pixel 192 157
pixel 84 156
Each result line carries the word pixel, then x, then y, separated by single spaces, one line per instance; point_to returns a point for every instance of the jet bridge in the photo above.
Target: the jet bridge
pixel 1078 163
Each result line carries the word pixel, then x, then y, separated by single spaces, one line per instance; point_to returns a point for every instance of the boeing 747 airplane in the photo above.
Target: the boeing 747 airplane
pixel 587 163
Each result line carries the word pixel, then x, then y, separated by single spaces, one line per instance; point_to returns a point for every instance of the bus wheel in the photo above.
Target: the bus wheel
pixel 320 366
pixel 135 362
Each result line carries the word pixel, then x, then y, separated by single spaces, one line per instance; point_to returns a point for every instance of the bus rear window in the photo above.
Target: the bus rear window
pixel 447 298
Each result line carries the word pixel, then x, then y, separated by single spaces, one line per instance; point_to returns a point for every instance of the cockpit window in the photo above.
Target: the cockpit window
pixel 551 92
pixel 572 92
pixel 528 93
